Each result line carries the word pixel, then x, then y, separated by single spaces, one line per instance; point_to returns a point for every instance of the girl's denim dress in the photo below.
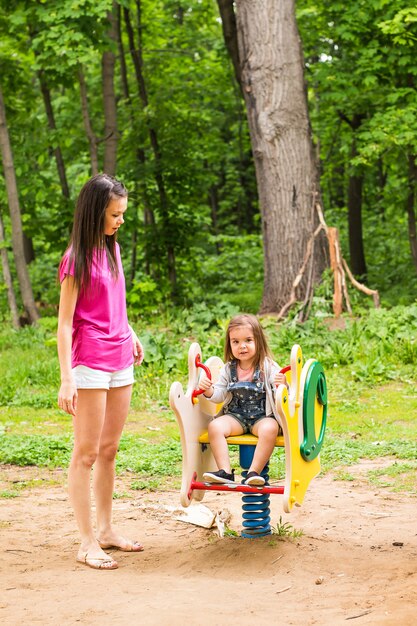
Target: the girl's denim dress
pixel 248 398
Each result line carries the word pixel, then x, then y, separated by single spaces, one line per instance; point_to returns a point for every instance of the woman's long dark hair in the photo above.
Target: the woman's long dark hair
pixel 88 229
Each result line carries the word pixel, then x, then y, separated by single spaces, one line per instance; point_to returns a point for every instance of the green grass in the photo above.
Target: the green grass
pixel 370 366
pixel 285 529
pixel 399 477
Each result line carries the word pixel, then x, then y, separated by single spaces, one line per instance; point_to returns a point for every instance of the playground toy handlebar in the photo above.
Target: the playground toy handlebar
pixel 198 363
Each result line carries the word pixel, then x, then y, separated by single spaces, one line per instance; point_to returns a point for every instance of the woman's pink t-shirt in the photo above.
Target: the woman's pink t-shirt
pixel 101 337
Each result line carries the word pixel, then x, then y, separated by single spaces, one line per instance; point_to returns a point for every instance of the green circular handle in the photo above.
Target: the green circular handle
pixel 315 387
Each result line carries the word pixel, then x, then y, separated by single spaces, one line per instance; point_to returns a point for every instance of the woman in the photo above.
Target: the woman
pixel 97 350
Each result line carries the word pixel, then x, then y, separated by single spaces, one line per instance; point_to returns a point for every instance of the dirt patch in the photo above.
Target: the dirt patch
pixel 356 560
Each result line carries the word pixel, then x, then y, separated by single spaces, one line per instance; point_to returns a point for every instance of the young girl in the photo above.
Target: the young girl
pixel 97 349
pixel 246 383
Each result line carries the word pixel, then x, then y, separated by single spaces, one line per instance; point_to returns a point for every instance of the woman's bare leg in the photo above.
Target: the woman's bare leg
pixel 88 424
pixel 118 403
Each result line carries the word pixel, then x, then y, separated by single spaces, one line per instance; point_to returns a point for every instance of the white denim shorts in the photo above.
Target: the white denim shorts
pixel 88 378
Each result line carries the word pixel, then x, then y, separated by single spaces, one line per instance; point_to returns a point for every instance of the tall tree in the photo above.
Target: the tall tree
pixel 7 275
pixel 272 71
pixel 109 98
pixel 92 139
pixel 137 58
pixel 16 218
pixel 354 204
pixel 46 94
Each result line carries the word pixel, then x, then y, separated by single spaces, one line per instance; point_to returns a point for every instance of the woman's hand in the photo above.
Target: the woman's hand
pixel 280 379
pixel 138 351
pixel 67 397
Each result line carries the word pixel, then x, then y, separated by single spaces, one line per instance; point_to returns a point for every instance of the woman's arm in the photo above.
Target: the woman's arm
pixel 67 395
pixel 138 351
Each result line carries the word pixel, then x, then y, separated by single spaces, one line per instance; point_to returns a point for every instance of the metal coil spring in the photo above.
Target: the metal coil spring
pixel 256 513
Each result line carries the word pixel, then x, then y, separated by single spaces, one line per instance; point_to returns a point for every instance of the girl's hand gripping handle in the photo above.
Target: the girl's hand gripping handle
pixel 204 383
pixel 280 378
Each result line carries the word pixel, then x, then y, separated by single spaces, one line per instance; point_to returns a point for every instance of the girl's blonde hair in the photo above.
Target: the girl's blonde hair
pixel 262 349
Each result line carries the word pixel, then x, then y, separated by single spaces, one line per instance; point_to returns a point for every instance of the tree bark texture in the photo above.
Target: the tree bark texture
pixel 46 94
pixel 92 139
pixel 16 218
pixel 137 59
pixel 274 90
pixel 109 101
pixel 356 248
pixel 227 14
pixel 11 298
pixel 411 215
pixel 354 202
pixel 148 215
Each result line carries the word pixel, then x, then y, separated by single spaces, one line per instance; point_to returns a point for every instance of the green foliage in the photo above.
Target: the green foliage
pixel 370 366
pixel 285 529
pixel 29 368
pixel 43 451
pixel 399 477
pixel 145 485
pixel 361 74
pixel 149 459
pixel 9 494
pixel 363 106
pixel 195 108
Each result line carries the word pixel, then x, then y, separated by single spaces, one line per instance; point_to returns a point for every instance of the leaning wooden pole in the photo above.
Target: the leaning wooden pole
pixel 339 268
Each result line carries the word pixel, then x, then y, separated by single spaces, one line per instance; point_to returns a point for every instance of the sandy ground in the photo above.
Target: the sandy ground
pixel 356 560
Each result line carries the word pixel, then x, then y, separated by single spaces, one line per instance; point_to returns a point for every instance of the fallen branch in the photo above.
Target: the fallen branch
pixel 369 292
pixel 339 267
pixel 280 557
pixel 300 274
pixel 359 614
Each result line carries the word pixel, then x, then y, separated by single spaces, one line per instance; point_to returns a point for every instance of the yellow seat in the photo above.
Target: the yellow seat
pixel 241 440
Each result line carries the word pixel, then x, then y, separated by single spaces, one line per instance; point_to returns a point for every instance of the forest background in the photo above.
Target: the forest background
pixel 151 96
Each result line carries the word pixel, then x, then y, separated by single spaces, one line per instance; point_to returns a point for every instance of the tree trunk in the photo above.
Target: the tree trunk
pixel 92 139
pixel 228 17
pixel 153 137
pixel 8 278
pixel 148 215
pixel 274 90
pixel 16 218
pixel 122 60
pixel 354 202
pixel 213 200
pixel 46 94
pixel 28 248
pixel 411 197
pixel 356 248
pixel 246 211
pixel 109 100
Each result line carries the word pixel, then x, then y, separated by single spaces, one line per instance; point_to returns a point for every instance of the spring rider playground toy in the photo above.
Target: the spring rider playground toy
pixel 303 411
